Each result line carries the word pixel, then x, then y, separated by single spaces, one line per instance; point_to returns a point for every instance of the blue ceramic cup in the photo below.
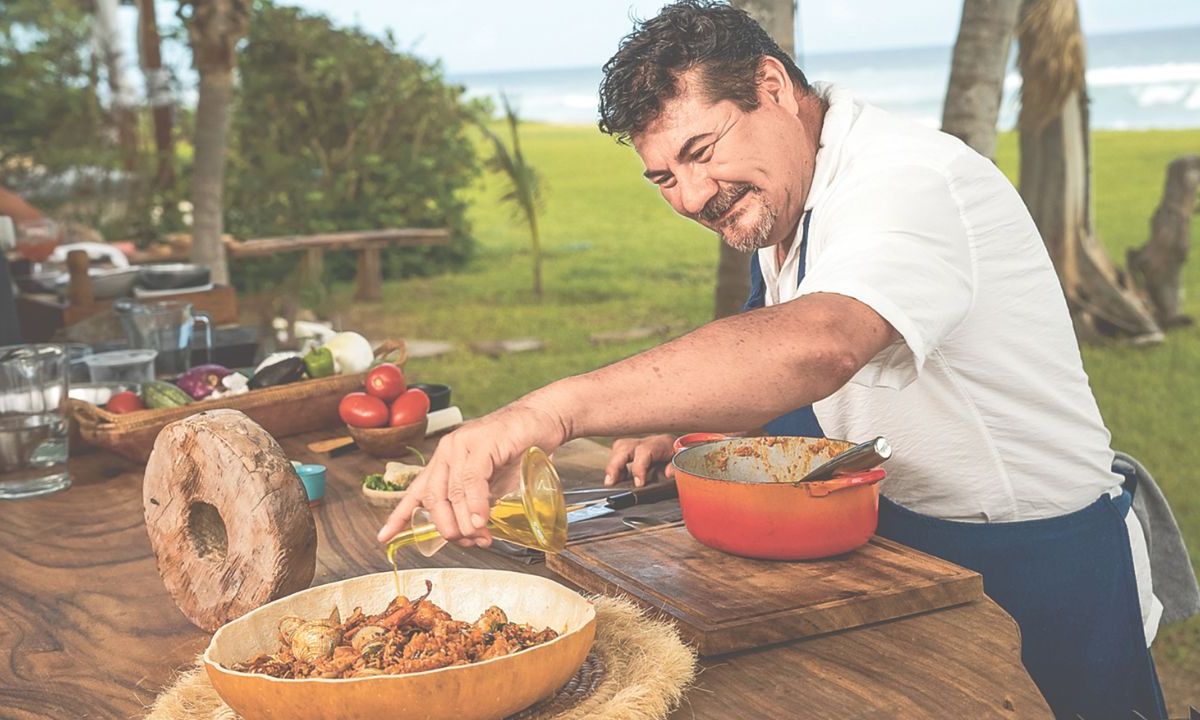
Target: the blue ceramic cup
pixel 313 477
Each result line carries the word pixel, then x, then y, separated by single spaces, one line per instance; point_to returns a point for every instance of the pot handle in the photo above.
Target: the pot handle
pixel 697 438
pixel 821 488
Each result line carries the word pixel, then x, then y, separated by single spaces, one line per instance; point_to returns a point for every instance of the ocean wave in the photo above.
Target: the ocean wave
pixel 1127 75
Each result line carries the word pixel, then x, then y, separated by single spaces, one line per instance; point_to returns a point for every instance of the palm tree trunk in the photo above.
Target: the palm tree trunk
pixel 1055 178
pixel 214 29
pixel 158 92
pixel 1157 266
pixel 537 255
pixel 208 171
pixel 778 18
pixel 973 97
pixel 124 117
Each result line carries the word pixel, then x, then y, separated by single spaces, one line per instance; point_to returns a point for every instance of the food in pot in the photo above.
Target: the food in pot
pixel 408 636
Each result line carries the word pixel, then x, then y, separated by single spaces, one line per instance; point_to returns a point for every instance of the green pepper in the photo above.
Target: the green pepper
pixel 319 363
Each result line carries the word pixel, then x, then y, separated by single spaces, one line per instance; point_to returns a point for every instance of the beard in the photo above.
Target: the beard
pixel 732 229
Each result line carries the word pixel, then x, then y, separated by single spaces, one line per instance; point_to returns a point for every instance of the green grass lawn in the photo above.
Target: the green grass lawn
pixel 617 257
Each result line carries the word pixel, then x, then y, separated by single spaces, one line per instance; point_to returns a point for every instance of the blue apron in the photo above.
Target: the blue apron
pixel 1068 581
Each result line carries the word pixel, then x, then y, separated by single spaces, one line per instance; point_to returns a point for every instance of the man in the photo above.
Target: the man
pixel 902 290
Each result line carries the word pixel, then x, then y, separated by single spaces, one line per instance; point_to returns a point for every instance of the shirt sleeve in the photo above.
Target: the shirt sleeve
pixel 896 242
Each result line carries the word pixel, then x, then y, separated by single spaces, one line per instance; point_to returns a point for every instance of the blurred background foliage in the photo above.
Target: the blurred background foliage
pixel 332 130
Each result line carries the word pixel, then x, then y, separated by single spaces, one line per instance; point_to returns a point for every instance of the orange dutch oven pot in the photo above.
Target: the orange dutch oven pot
pixel 741 496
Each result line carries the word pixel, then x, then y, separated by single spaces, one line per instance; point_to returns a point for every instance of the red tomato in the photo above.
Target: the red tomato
pixel 409 408
pixel 386 382
pixel 124 402
pixel 359 409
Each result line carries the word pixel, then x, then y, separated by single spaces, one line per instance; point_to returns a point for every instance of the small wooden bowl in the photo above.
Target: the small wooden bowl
pixel 389 442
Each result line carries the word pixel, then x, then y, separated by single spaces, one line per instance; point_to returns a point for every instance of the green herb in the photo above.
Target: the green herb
pixel 375 481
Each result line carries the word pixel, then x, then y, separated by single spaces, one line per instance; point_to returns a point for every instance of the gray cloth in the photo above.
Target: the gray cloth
pixel 1171 569
pixel 10 331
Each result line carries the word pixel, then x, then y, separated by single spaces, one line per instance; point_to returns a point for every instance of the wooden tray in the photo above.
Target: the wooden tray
pixel 722 603
pixel 283 410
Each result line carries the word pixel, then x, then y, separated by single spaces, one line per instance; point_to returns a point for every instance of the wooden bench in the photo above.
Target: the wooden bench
pixel 368 243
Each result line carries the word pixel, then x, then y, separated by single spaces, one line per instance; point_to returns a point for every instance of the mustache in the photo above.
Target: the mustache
pixel 723 200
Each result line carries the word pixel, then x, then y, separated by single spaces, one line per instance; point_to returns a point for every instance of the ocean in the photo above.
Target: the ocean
pixel 1136 80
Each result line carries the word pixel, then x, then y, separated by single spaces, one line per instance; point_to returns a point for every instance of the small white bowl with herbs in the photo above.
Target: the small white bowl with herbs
pixel 386 488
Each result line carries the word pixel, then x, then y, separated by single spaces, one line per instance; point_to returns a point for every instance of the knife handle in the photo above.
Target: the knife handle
pixel 644 495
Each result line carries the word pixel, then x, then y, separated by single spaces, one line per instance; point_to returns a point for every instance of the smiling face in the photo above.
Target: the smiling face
pixel 743 174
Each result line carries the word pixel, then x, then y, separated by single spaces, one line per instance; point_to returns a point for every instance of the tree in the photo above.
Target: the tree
pixel 336 129
pixel 50 112
pixel 524 184
pixel 1156 266
pixel 158 93
pixel 214 29
pixel 1055 179
pixel 778 18
pixel 985 34
pixel 110 45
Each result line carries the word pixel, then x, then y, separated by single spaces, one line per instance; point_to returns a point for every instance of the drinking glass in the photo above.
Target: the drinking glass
pixel 36 239
pixel 33 423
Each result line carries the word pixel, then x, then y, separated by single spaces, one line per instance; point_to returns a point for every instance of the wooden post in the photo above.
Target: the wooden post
pixel 79 287
pixel 1156 266
pixel 314 264
pixel 370 274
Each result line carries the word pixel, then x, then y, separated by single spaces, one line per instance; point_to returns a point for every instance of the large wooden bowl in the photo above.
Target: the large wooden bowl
pixel 389 442
pixel 490 689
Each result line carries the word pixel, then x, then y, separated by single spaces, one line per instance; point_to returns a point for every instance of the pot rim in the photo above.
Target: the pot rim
pixel 796 484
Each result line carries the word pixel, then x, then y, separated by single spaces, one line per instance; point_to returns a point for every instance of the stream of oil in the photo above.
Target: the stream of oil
pixel 507 521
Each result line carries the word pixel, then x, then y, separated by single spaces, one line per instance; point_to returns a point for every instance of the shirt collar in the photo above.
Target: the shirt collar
pixel 839 118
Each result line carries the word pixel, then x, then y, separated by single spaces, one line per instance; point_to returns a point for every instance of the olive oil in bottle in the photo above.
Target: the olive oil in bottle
pixel 533 516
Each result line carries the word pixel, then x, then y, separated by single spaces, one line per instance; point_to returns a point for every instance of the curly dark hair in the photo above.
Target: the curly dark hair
pixel 725 43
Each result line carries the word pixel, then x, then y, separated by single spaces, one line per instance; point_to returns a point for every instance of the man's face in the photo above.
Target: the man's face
pixel 737 173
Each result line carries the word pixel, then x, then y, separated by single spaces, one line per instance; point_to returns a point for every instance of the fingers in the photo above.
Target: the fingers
pixel 468 496
pixel 401 515
pixel 618 458
pixel 643 456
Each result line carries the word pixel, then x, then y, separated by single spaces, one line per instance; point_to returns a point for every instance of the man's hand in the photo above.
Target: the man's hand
pixel 478 462
pixel 638 454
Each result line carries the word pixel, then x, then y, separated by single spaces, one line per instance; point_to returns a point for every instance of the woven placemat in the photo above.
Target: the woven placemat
pixel 638 669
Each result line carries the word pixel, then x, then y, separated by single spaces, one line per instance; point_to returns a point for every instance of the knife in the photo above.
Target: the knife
pixel 662 490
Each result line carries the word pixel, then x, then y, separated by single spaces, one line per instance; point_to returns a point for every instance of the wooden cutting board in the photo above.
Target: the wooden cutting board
pixel 722 603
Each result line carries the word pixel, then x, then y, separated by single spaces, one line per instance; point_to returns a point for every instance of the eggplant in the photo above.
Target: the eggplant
pixel 200 381
pixel 281 373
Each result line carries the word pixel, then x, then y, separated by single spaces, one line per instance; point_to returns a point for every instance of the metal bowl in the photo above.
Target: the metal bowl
pixel 169 276
pixel 107 284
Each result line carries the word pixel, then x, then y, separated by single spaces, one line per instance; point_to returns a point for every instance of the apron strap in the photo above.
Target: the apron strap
pixel 801 422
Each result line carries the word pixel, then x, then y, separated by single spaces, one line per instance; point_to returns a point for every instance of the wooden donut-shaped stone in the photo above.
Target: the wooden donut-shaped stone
pixel 227 516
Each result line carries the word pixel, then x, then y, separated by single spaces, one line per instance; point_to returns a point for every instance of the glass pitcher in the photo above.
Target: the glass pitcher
pixel 166 327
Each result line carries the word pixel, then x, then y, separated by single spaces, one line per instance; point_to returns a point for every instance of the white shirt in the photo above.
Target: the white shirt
pixel 984 398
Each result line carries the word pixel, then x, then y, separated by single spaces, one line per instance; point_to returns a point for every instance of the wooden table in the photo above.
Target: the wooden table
pixel 88 630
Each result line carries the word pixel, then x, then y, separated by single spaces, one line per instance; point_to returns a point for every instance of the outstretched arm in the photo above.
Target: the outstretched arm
pixel 737 372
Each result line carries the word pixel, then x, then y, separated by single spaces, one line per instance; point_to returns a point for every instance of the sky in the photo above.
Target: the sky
pixel 491 35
